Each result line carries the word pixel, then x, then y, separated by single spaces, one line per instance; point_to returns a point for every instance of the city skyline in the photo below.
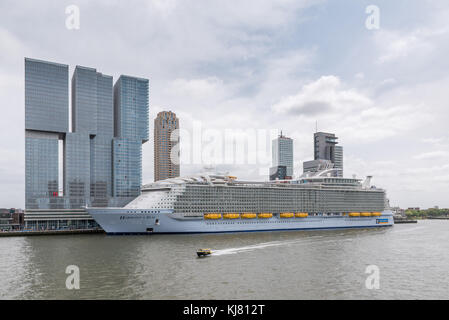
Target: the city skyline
pixel 361 86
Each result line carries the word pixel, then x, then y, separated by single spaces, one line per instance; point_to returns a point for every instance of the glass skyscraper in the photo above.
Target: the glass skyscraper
pixel 282 155
pixel 46 121
pixel 131 131
pixel 76 170
pixel 41 170
pixel 131 108
pixel 46 96
pixel 93 120
pixel 89 148
pixel 127 164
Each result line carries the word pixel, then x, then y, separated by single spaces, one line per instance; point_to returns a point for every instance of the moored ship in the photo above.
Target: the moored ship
pixel 209 203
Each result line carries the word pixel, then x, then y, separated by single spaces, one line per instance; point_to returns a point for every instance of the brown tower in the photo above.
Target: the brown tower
pixel 164 167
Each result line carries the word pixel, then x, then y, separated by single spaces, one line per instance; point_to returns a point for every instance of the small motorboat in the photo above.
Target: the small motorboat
pixel 203 252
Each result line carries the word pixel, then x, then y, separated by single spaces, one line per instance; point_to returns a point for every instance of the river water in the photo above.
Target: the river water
pixel 412 260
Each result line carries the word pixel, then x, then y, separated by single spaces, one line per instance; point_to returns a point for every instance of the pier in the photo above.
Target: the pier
pixel 403 220
pixel 25 233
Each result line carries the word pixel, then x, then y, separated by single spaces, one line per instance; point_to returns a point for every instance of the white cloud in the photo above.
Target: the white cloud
pixel 352 112
pixel 324 95
pixel 432 155
pixel 421 42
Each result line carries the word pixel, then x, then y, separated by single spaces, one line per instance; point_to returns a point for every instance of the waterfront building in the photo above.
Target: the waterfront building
pixel 164 167
pixel 5 219
pixel 57 219
pixel 69 167
pixel 325 148
pixel 282 154
pixel 46 122
pixel 11 219
pixel 131 129
pixel 127 167
pixel 88 149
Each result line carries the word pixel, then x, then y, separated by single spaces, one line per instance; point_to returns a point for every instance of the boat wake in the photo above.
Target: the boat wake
pixel 247 248
pixel 263 245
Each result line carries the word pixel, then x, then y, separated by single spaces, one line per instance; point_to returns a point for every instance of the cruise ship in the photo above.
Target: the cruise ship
pixel 213 203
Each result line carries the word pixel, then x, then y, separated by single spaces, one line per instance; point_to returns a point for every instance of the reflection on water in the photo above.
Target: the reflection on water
pixel 413 262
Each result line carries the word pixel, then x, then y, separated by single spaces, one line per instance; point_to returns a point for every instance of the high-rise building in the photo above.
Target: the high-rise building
pixel 131 131
pixel 88 149
pixel 164 141
pixel 338 159
pixel 76 170
pixel 46 122
pixel 325 148
pixel 99 155
pixel 282 154
pixel 324 145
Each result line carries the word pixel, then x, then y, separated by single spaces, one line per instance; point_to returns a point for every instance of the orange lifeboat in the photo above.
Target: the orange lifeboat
pixel 231 216
pixel 354 214
pixel 301 214
pixel 211 216
pixel 287 215
pixel 248 215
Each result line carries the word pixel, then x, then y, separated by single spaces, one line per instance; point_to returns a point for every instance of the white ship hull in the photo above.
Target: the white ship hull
pixel 148 221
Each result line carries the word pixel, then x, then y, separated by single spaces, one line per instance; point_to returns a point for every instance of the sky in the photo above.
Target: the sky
pixel 265 66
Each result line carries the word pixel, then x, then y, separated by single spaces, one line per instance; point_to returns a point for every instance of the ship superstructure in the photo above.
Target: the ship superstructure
pixel 221 203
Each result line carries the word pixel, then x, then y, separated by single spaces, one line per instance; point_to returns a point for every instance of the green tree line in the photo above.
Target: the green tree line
pixel 427 213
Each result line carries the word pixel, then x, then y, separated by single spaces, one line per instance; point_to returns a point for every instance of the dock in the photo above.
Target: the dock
pixel 26 233
pixel 398 221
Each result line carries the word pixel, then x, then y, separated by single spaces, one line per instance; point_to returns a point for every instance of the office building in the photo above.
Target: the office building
pixel 131 131
pixel 325 148
pixel 338 159
pixel 88 149
pixel 46 123
pixel 165 140
pixel 70 166
pixel 282 154
pixel 11 219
